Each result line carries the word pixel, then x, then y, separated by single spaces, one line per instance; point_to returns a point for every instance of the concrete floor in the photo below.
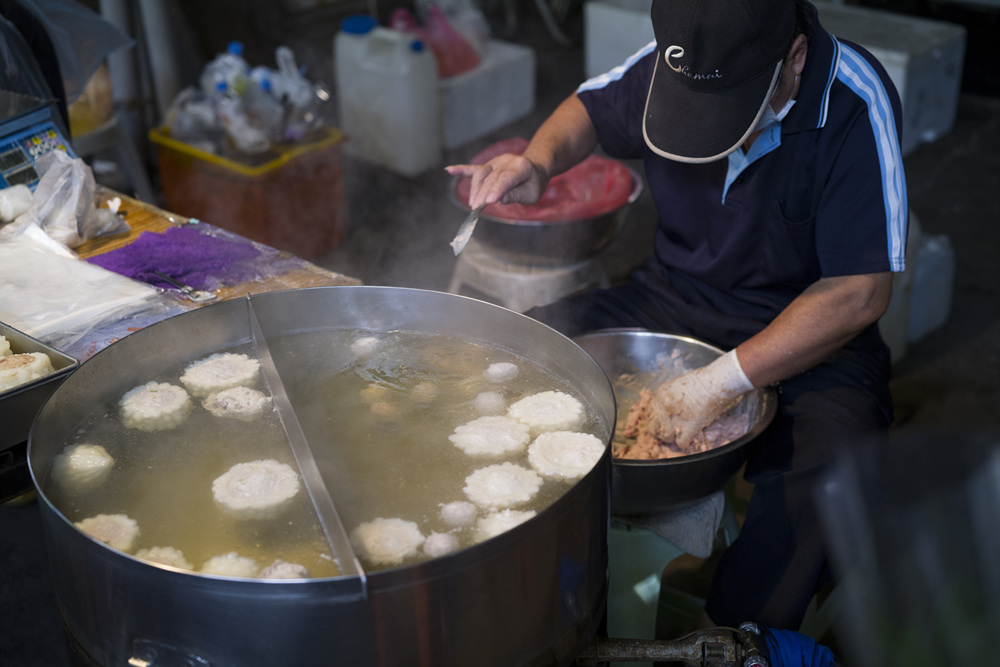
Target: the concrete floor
pixel 397 233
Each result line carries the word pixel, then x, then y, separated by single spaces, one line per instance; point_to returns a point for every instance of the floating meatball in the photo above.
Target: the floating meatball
pixel 459 513
pixel 116 530
pixel 81 468
pixel 548 411
pixel 501 372
pixel 216 372
pixel 237 402
pixel 376 392
pixel 155 406
pixel 503 485
pixel 497 523
pixel 256 489
pixel 440 544
pixel 387 541
pixel 491 436
pixel 489 403
pixel 231 565
pixel 565 454
pixel 281 569
pixel 425 392
pixel 385 411
pixel 165 556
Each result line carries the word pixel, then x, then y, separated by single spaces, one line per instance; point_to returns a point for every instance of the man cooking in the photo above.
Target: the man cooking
pixel 771 150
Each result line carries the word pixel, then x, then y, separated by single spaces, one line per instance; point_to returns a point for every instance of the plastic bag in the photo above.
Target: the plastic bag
pixel 14 201
pixel 453 52
pixel 47 292
pixel 82 39
pixel 63 203
pixel 465 17
pixel 20 72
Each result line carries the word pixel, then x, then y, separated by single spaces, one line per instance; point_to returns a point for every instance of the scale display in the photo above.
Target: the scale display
pixel 24 139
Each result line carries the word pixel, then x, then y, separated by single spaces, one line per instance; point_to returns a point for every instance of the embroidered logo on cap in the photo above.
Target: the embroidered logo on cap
pixel 678 52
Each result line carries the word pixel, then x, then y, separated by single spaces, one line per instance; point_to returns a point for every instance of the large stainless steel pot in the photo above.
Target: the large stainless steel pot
pixel 547 243
pixel 532 596
pixel 643 487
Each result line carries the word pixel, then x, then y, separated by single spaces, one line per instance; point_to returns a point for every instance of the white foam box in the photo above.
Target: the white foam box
pixel 613 31
pixel 923 57
pixel 500 90
pixel 930 296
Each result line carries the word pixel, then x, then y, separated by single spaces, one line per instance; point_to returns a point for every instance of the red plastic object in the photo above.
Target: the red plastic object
pixel 453 53
pixel 596 186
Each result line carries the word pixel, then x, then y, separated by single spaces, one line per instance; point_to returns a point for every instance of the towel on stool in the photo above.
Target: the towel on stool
pixel 199 256
pixel 691 528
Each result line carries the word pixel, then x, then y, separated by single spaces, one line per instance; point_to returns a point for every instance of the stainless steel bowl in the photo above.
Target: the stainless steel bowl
pixel 536 243
pixel 642 487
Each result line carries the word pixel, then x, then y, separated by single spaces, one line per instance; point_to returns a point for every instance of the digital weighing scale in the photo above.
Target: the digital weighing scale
pixel 30 128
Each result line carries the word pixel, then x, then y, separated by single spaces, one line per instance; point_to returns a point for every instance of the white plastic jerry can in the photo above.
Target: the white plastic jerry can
pixel 387 88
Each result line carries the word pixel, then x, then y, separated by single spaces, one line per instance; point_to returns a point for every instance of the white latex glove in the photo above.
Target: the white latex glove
pixel 684 406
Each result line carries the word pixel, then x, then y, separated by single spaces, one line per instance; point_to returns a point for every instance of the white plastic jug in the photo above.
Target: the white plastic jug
pixel 387 91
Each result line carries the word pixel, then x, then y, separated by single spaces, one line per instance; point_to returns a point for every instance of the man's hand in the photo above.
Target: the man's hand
pixel 507 178
pixel 564 139
pixel 684 406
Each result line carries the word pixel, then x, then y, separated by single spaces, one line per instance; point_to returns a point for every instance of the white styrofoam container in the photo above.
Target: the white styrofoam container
pixel 930 295
pixel 923 57
pixel 500 90
pixel 613 31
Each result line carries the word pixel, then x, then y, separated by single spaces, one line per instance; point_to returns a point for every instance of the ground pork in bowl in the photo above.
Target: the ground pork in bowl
pixel 650 476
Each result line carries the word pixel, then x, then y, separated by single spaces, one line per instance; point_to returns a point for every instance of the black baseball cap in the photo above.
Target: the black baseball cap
pixel 717 67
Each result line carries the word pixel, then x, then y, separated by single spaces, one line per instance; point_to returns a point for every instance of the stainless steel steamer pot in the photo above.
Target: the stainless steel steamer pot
pixel 532 596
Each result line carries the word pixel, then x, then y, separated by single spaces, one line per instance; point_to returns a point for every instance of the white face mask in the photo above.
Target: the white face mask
pixel 770 116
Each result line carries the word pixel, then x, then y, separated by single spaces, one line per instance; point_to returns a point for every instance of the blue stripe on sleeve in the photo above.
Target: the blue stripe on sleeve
pixel 601 80
pixel 831 76
pixel 858 75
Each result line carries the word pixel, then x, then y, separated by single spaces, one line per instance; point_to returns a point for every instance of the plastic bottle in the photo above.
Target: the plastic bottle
pixel 243 135
pixel 387 87
pixel 289 82
pixel 303 100
pixel 228 67
pixel 262 109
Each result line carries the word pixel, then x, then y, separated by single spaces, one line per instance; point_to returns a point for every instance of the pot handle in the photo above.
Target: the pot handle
pixel 149 653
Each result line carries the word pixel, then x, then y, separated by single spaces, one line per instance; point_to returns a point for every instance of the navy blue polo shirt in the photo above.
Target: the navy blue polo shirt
pixel 820 194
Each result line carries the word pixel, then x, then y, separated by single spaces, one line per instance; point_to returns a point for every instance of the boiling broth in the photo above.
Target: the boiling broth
pixel 376 421
pixel 397 462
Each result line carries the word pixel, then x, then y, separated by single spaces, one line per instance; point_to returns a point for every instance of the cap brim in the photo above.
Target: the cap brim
pixel 691 126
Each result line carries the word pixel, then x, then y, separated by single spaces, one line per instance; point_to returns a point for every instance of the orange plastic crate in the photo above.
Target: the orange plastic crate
pixel 293 202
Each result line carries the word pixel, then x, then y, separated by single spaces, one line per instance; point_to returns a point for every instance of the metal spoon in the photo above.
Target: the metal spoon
pixel 465 231
pixel 196 295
